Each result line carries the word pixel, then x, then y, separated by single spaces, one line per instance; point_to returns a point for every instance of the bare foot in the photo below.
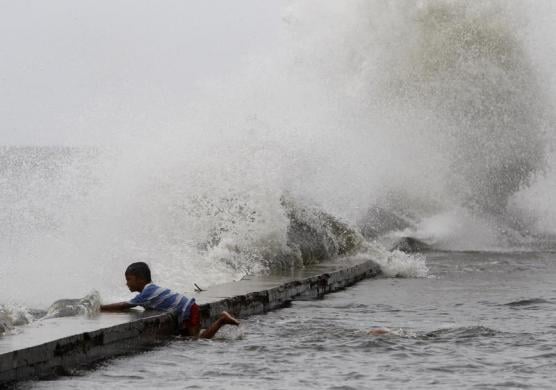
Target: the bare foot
pixel 228 319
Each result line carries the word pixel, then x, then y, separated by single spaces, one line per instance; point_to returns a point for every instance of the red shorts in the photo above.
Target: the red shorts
pixel 194 320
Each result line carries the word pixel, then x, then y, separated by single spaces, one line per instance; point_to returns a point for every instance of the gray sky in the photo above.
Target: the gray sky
pixel 75 72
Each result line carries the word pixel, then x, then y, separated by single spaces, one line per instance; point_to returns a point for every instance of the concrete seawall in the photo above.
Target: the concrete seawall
pixel 57 346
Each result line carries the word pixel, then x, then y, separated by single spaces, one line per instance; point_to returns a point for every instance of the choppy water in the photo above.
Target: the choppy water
pixel 483 321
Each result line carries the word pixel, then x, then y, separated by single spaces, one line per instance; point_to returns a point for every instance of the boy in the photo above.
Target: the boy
pixel 138 277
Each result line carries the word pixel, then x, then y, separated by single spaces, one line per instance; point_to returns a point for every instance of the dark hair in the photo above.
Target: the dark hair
pixel 141 270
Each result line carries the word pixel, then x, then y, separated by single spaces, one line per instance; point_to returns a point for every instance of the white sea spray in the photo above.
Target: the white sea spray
pixel 396 264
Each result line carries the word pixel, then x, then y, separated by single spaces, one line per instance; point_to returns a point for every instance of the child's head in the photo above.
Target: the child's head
pixel 137 275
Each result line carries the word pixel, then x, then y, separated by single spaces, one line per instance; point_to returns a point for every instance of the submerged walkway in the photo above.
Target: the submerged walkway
pixel 56 346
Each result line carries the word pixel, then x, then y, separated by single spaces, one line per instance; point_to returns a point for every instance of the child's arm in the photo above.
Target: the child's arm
pixel 120 306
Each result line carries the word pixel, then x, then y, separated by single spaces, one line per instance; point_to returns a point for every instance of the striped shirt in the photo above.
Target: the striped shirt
pixel 158 298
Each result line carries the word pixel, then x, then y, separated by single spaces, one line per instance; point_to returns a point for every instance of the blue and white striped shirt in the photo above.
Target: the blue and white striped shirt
pixel 157 298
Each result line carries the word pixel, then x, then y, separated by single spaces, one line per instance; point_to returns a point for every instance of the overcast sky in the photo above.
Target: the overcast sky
pixel 74 72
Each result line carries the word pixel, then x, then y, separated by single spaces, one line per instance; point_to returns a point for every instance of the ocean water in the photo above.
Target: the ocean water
pixel 477 321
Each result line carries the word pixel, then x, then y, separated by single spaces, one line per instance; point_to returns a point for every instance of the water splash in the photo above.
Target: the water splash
pixel 453 92
pixel 397 264
pixel 89 305
pixel 13 316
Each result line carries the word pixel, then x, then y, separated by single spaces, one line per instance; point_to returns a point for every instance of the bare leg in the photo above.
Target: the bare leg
pixel 225 319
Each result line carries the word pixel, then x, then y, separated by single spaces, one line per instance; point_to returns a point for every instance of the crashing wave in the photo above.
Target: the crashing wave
pixel 472 92
pixel 12 316
pixel 312 235
pixel 396 264
pixel 317 235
